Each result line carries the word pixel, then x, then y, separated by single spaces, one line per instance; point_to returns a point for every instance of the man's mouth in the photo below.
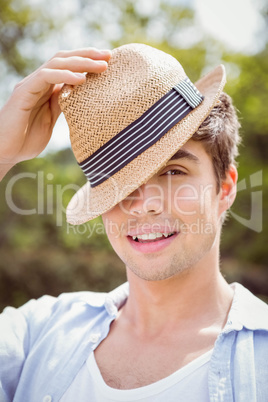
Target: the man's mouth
pixel 151 237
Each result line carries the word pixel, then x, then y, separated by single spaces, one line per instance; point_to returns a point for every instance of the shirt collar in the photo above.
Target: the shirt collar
pixel 112 301
pixel 246 311
pixel 116 298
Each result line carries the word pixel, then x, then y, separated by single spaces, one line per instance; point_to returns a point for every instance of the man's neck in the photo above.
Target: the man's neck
pixel 200 296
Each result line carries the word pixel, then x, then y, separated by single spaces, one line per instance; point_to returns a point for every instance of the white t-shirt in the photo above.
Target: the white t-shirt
pixel 188 384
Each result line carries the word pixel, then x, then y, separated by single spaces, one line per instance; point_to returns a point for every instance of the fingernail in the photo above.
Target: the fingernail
pixel 105 52
pixel 80 75
pixel 101 62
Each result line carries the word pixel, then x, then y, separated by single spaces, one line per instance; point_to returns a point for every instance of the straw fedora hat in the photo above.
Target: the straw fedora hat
pixel 127 122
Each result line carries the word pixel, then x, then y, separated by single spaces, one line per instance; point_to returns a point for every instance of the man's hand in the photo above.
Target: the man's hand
pixel 28 117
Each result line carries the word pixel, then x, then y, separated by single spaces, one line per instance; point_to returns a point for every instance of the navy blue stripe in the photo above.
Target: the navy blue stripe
pixel 142 133
pixel 129 127
pixel 114 167
pixel 133 134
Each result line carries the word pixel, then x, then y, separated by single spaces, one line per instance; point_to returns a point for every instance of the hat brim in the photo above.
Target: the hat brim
pixel 89 203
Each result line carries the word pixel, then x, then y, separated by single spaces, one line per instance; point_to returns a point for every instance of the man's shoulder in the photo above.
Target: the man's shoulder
pixel 115 297
pixel 53 305
pixel 92 298
pixel 76 301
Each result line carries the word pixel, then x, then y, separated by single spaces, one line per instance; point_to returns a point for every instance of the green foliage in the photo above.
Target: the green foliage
pixel 19 22
pixel 40 252
pixel 249 92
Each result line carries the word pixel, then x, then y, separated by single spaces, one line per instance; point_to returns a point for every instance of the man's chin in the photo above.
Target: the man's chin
pixel 156 272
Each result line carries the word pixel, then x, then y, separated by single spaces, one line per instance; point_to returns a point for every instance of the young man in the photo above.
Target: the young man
pixel 159 154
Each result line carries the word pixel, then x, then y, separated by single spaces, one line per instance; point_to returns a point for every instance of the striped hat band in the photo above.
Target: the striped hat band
pixel 142 133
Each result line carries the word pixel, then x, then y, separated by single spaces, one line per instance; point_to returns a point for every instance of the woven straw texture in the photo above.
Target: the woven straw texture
pixel 137 77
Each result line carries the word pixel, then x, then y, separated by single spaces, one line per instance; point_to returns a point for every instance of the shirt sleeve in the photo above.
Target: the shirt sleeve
pixel 13 349
pixel 18 328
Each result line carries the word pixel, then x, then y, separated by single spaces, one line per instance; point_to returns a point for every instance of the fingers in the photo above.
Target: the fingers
pixel 66 67
pixel 92 53
pixel 77 64
pixel 47 77
pixel 75 61
pixel 52 77
pixel 41 81
pixel 32 108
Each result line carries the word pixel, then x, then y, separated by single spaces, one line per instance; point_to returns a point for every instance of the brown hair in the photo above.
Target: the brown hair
pixel 219 133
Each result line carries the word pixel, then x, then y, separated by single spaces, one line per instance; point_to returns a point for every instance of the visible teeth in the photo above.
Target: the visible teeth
pixel 145 236
pixel 159 234
pixel 151 236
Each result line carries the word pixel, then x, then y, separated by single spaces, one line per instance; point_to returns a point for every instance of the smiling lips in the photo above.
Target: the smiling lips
pixel 147 239
pixel 151 237
pixel 151 242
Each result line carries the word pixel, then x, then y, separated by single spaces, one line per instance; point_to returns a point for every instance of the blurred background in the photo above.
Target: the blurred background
pixel 39 252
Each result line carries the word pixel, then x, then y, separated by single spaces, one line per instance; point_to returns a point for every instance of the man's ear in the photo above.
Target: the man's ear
pixel 228 189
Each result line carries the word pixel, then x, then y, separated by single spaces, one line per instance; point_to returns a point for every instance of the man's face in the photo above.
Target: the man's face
pixel 171 223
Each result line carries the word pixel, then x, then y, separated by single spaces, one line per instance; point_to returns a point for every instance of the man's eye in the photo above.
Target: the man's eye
pixel 174 172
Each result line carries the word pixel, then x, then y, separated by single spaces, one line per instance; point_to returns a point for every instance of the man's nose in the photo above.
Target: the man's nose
pixel 147 199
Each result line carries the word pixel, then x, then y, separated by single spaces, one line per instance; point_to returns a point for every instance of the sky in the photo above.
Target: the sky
pixel 236 23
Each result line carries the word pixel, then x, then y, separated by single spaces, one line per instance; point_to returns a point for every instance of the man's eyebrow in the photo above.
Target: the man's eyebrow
pixel 181 153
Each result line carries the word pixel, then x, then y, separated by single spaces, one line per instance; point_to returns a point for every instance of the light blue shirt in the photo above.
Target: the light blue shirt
pixel 44 343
